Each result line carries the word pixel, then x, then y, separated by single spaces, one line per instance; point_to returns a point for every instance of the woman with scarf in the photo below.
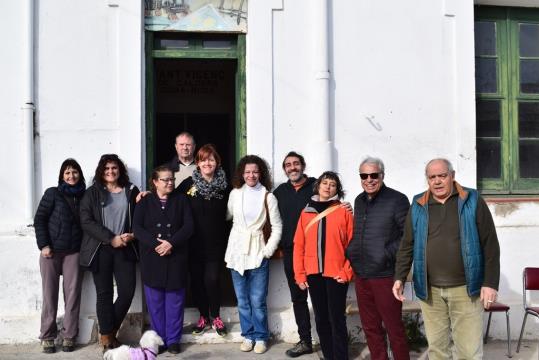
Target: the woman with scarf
pixel 207 191
pixel 323 233
pixel 59 235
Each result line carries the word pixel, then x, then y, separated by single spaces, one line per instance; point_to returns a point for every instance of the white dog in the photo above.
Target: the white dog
pixel 149 345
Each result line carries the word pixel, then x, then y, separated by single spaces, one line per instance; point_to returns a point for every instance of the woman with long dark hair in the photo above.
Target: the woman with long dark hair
pixel 108 245
pixel 323 233
pixel 163 224
pixel 251 206
pixel 207 191
pixel 59 235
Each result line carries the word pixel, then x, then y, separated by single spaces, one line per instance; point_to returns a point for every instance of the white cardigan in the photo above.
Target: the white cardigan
pixel 246 246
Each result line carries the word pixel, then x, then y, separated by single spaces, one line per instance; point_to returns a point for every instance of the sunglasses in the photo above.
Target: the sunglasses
pixel 373 176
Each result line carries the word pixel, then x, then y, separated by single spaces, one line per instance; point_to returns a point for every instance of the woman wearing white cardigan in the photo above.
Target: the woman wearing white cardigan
pixel 248 253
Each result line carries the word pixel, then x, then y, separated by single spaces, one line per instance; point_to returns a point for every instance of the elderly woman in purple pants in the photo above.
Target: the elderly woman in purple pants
pixel 163 224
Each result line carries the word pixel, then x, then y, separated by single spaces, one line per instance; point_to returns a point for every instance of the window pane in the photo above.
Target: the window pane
pixel 170 44
pixel 485 38
pixel 529 40
pixel 485 75
pixel 529 153
pixel 217 44
pixel 488 118
pixel 488 159
pixel 528 120
pixel 529 76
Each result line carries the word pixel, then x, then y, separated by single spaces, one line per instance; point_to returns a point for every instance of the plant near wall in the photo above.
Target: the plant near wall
pixel 412 326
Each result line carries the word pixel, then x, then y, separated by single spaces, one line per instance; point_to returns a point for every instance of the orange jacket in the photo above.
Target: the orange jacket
pixel 339 231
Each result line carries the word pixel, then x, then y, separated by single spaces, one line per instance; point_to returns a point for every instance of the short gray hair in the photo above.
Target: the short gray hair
pixel 445 161
pixel 374 161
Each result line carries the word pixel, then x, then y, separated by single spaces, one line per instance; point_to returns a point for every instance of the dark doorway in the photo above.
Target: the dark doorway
pixel 198 96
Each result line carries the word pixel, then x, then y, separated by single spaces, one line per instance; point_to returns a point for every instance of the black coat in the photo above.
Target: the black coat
pixel 211 228
pixel 174 224
pixel 378 229
pixel 95 232
pixel 57 222
pixel 291 203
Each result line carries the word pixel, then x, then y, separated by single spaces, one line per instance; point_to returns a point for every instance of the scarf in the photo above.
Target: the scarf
pixel 212 189
pixel 72 190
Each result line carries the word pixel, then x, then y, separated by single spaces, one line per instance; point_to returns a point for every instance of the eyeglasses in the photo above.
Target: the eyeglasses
pixel 167 180
pixel 373 176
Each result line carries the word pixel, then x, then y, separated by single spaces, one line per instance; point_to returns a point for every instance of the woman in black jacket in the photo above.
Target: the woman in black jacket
pixel 108 248
pixel 163 224
pixel 207 191
pixel 58 235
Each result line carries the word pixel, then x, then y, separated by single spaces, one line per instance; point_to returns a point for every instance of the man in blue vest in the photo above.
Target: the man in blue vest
pixel 450 236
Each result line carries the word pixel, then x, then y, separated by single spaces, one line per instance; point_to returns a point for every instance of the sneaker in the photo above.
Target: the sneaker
pixel 68 345
pixel 260 347
pixel 174 348
pixel 301 348
pixel 48 346
pixel 219 326
pixel 202 325
pixel 246 345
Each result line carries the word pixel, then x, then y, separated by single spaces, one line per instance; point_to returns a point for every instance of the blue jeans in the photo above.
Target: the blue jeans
pixel 251 290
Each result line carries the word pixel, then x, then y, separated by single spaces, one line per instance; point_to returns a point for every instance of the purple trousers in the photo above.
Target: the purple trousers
pixel 166 312
pixel 377 305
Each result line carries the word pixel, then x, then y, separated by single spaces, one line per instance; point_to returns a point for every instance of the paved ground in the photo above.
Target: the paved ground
pixel 493 351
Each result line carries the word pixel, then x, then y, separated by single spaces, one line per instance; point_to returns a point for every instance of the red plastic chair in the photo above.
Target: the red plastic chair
pixel 530 280
pixel 499 307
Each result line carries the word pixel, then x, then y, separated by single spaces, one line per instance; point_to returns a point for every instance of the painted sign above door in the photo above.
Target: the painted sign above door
pixel 196 15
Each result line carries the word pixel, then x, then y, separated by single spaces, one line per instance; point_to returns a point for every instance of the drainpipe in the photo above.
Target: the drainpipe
pixel 28 109
pixel 322 122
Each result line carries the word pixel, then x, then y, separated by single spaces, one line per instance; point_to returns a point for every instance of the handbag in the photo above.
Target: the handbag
pixel 266 230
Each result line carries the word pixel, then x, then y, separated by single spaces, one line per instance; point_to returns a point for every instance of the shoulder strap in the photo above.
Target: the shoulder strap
pixel 324 213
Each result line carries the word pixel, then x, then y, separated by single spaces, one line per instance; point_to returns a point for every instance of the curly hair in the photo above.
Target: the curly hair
pixel 123 179
pixel 155 176
pixel 70 163
pixel 263 168
pixel 331 176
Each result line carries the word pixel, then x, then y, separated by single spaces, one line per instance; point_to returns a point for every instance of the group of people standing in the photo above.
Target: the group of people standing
pixel 180 228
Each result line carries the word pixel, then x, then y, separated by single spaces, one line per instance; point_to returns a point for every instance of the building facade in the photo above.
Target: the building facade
pixel 333 80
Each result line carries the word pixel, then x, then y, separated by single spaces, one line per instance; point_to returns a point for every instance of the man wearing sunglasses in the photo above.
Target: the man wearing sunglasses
pixel 450 236
pixel 379 214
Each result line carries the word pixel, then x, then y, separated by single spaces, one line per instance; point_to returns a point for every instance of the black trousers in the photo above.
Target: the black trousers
pixel 299 300
pixel 205 286
pixel 329 304
pixel 113 263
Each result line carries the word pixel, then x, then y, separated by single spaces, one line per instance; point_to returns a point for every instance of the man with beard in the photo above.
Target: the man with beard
pixel 292 197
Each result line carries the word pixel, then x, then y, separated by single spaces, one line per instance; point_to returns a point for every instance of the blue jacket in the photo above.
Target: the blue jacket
pixel 471 250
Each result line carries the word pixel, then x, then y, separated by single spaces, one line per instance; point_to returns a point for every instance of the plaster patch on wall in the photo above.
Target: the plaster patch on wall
pixel 503 210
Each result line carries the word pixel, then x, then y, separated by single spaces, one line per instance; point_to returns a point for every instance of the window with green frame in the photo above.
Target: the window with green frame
pixel 507 99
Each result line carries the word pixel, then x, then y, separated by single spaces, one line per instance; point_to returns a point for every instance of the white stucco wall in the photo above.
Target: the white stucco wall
pixel 401 88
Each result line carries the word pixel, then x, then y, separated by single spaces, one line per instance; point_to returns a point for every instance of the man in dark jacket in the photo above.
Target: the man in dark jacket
pixel 183 163
pixel 292 196
pixel 379 214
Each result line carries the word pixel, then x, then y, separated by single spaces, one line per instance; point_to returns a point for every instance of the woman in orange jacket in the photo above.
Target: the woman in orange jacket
pixel 324 231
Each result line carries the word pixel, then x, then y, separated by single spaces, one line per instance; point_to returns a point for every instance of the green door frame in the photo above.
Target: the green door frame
pixel 195 50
